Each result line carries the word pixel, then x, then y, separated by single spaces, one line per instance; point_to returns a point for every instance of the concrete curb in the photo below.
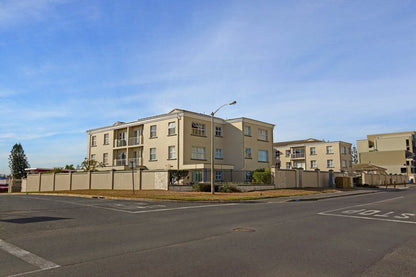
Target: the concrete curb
pixel 331 196
pixel 300 198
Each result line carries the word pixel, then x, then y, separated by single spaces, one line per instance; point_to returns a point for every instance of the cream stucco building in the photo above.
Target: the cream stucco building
pixel 311 154
pixel 393 151
pixel 181 140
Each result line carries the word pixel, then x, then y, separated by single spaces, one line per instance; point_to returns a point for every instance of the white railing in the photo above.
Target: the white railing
pixel 120 142
pixel 120 162
pixel 135 161
pixel 134 140
pixel 298 155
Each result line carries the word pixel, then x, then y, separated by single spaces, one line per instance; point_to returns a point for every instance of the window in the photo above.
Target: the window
pixel 288 165
pixel 247 131
pixel 198 129
pixel 350 163
pixel 218 131
pixel 313 151
pixel 218 176
pixel 330 163
pixel 135 140
pixel 263 156
pixel 171 128
pixel 218 153
pixel 343 150
pixel 106 139
pixel 329 150
pixel 153 154
pixel 287 153
pixel 198 153
pixel 344 163
pixel 313 164
pixel 248 153
pixel 105 158
pixel 121 141
pixel 197 176
pixel 93 141
pixel 92 157
pixel 153 131
pixel 262 134
pixel 172 153
pixel 248 176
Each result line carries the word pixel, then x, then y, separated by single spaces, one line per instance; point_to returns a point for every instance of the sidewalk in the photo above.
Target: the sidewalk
pixel 360 191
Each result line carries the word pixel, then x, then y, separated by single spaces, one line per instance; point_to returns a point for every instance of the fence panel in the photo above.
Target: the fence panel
pixel 310 179
pixel 80 180
pixel 101 180
pixel 47 182
pixel 62 181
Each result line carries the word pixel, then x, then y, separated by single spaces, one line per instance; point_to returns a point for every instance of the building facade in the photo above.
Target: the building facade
pixel 180 140
pixel 393 151
pixel 312 154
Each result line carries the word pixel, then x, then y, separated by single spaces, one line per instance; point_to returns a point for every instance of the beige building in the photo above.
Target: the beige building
pixel 181 140
pixel 393 151
pixel 311 154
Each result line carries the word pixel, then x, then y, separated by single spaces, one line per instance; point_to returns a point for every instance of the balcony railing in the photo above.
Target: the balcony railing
pixel 298 155
pixel 135 161
pixel 134 140
pixel 120 142
pixel 120 162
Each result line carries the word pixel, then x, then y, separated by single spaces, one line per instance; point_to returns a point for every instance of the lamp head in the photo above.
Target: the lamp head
pixel 232 103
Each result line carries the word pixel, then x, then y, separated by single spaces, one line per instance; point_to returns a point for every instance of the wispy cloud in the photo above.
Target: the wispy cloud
pixel 13 12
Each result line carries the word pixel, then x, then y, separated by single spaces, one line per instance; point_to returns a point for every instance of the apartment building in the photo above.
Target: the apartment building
pixel 393 151
pixel 181 139
pixel 311 154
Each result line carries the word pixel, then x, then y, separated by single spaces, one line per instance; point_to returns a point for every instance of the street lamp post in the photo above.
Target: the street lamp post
pixel 212 144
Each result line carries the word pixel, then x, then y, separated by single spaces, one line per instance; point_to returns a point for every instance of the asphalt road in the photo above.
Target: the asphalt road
pixel 366 235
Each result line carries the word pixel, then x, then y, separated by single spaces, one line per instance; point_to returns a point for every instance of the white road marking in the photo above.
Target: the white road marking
pixel 134 212
pixel 28 257
pixel 370 218
pixel 183 208
pixel 364 212
pixel 365 204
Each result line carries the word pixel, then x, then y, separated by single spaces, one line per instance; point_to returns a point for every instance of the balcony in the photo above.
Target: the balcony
pixel 298 155
pixel 120 142
pixel 120 162
pixel 135 140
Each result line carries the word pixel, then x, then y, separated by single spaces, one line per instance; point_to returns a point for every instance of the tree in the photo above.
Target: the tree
pixel 87 165
pixel 69 167
pixel 18 162
pixel 177 175
pixel 354 155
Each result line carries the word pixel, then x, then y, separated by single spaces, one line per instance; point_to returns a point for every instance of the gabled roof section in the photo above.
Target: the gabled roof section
pixel 302 141
pixel 367 167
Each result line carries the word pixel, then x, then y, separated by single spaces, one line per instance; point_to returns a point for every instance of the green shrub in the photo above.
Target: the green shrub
pixel 204 187
pixel 262 176
pixel 229 189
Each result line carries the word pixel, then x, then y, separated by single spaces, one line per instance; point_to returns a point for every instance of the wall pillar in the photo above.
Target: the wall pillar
pixel 89 179
pixel 318 177
pixel 112 178
pixel 40 180
pixel 53 182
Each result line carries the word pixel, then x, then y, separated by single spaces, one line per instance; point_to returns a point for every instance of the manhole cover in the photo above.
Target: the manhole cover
pixel 244 230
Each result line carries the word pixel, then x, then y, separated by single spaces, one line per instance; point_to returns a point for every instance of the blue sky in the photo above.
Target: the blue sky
pixel 336 70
